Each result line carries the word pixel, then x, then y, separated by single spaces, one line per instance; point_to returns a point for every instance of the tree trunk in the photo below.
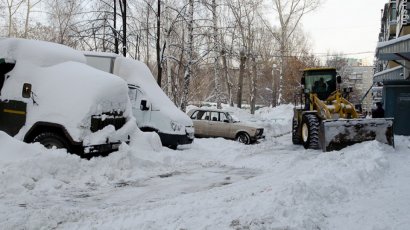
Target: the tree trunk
pixel 274 85
pixel 281 71
pixel 27 19
pixel 188 69
pixel 216 57
pixel 168 51
pixel 116 42
pixel 124 27
pixel 147 56
pixel 254 78
pixel 240 80
pixel 158 45
pixel 226 77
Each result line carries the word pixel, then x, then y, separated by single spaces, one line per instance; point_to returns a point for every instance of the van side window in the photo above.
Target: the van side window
pixel 132 93
pixel 135 95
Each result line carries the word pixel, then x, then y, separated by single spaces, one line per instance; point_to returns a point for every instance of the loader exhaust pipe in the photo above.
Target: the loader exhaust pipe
pixel 340 133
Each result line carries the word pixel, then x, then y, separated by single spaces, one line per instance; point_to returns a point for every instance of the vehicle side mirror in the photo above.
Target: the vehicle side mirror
pixel 303 81
pixel 143 105
pixel 26 92
pixel 338 79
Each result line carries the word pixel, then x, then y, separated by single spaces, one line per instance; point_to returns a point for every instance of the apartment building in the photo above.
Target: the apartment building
pixel 393 64
pixel 393 49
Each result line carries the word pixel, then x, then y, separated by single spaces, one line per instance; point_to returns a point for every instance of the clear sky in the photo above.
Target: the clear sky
pixel 345 26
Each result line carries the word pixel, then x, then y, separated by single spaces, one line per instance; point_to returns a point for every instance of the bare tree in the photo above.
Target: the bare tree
pixel 30 5
pixel 12 7
pixel 63 18
pixel 289 12
pixel 190 47
pixel 158 44
pixel 216 56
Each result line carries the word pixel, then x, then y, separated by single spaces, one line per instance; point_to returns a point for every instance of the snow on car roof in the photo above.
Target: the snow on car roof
pixel 40 53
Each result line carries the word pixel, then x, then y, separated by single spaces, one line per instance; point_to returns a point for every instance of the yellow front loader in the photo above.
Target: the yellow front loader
pixel 326 120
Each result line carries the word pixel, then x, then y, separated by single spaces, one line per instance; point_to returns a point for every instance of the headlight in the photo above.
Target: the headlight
pixel 175 126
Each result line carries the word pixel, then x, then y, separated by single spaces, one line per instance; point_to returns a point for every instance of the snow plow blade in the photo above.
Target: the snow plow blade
pixel 338 134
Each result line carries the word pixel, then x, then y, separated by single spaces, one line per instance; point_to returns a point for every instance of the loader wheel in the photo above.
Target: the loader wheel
pixel 310 131
pixel 296 135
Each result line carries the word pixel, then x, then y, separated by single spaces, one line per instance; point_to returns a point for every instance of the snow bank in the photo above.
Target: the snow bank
pixel 217 184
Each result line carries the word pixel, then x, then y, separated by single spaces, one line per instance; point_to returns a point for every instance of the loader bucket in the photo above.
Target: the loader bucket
pixel 337 134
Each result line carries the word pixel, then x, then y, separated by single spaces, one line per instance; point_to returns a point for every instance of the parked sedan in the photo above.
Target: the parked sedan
pixel 219 123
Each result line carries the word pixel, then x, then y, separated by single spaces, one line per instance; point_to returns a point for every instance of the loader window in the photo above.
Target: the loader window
pixel 323 84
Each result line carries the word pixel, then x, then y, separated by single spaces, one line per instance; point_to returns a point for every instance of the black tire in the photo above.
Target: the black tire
pixel 50 140
pixel 310 131
pixel 243 138
pixel 296 134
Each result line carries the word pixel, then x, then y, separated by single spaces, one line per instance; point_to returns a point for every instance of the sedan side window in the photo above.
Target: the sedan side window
pixel 223 117
pixel 214 116
pixel 205 116
pixel 200 115
pixel 195 115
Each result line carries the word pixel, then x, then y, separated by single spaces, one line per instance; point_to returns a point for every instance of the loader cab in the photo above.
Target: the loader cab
pixel 319 81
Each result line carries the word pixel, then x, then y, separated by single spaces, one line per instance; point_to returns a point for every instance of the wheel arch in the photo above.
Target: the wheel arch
pixel 148 129
pixel 238 132
pixel 41 127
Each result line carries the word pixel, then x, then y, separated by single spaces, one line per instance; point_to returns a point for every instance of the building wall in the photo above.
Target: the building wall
pixel 360 78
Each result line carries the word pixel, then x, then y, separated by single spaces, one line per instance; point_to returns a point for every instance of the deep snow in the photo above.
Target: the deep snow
pixel 216 184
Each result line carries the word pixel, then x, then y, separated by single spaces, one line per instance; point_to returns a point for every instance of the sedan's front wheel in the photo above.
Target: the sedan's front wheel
pixel 243 138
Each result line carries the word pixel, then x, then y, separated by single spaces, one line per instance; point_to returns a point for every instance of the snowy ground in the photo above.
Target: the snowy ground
pixel 216 184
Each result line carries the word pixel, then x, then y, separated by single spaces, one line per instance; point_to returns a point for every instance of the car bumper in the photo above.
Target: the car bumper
pixel 175 139
pixel 101 149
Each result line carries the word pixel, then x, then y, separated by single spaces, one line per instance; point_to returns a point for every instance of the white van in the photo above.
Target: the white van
pixel 152 108
pixel 48 94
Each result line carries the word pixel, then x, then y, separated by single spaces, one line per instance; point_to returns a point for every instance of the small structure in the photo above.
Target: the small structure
pixel 397 104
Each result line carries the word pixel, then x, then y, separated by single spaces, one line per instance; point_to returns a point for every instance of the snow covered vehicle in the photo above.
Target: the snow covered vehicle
pixel 48 94
pixel 153 110
pixel 326 120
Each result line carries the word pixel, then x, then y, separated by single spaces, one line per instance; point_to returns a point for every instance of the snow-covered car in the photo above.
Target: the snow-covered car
pixel 152 108
pixel 220 123
pixel 48 94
